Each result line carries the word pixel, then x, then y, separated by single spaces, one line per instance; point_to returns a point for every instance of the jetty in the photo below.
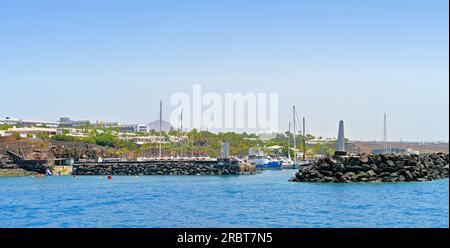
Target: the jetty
pixel 164 167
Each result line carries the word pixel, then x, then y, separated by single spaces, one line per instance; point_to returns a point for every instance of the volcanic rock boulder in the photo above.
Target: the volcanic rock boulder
pixel 6 162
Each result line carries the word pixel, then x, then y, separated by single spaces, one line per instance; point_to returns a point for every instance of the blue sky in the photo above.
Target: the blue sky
pixel 114 60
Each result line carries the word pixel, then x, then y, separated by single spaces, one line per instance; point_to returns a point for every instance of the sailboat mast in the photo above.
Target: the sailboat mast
pixel 160 129
pixel 181 133
pixel 304 139
pixel 289 142
pixel 384 135
pixel 181 124
pixel 295 141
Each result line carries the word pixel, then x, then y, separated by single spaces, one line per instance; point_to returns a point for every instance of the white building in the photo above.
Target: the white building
pixel 141 128
pixel 110 124
pixel 320 140
pixel 151 139
pixel 25 132
pixel 134 128
pixel 67 122
pixel 4 133
pixel 177 139
pixel 28 123
pixel 71 132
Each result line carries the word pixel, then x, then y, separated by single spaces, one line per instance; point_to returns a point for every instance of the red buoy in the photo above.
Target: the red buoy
pixel 109 177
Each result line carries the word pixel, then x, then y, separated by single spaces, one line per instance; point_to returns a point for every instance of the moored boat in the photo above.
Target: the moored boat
pixel 263 162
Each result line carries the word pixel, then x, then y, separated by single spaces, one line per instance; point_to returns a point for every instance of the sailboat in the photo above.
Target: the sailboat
pixel 294 164
pixel 287 163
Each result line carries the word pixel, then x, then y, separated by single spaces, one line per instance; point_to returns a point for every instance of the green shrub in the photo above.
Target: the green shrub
pixel 105 139
pixel 5 127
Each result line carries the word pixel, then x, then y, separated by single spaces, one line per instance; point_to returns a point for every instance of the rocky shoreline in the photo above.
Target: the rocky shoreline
pixel 9 168
pixel 15 173
pixel 6 162
pixel 375 168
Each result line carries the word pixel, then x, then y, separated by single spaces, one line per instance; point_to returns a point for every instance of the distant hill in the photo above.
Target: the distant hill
pixel 165 126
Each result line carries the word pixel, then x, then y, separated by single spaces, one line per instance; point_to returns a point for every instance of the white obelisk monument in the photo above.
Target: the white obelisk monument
pixel 340 145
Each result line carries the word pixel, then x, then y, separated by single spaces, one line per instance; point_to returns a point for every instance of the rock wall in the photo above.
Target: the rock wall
pixel 32 149
pixel 376 168
pixel 6 162
pixel 76 150
pixel 156 168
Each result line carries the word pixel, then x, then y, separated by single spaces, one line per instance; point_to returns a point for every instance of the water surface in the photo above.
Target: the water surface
pixel 263 200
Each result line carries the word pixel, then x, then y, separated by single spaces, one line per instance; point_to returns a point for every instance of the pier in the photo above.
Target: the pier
pixel 164 167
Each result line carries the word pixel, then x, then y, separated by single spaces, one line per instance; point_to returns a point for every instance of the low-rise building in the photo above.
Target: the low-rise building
pixel 4 133
pixel 71 132
pixel 28 123
pixel 177 139
pixel 320 140
pixel 67 122
pixel 134 128
pixel 128 128
pixel 396 150
pixel 25 132
pixel 151 139
pixel 110 124
pixel 141 128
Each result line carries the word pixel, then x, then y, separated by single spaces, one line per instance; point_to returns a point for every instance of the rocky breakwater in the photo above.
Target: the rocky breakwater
pixel 157 168
pixel 375 168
